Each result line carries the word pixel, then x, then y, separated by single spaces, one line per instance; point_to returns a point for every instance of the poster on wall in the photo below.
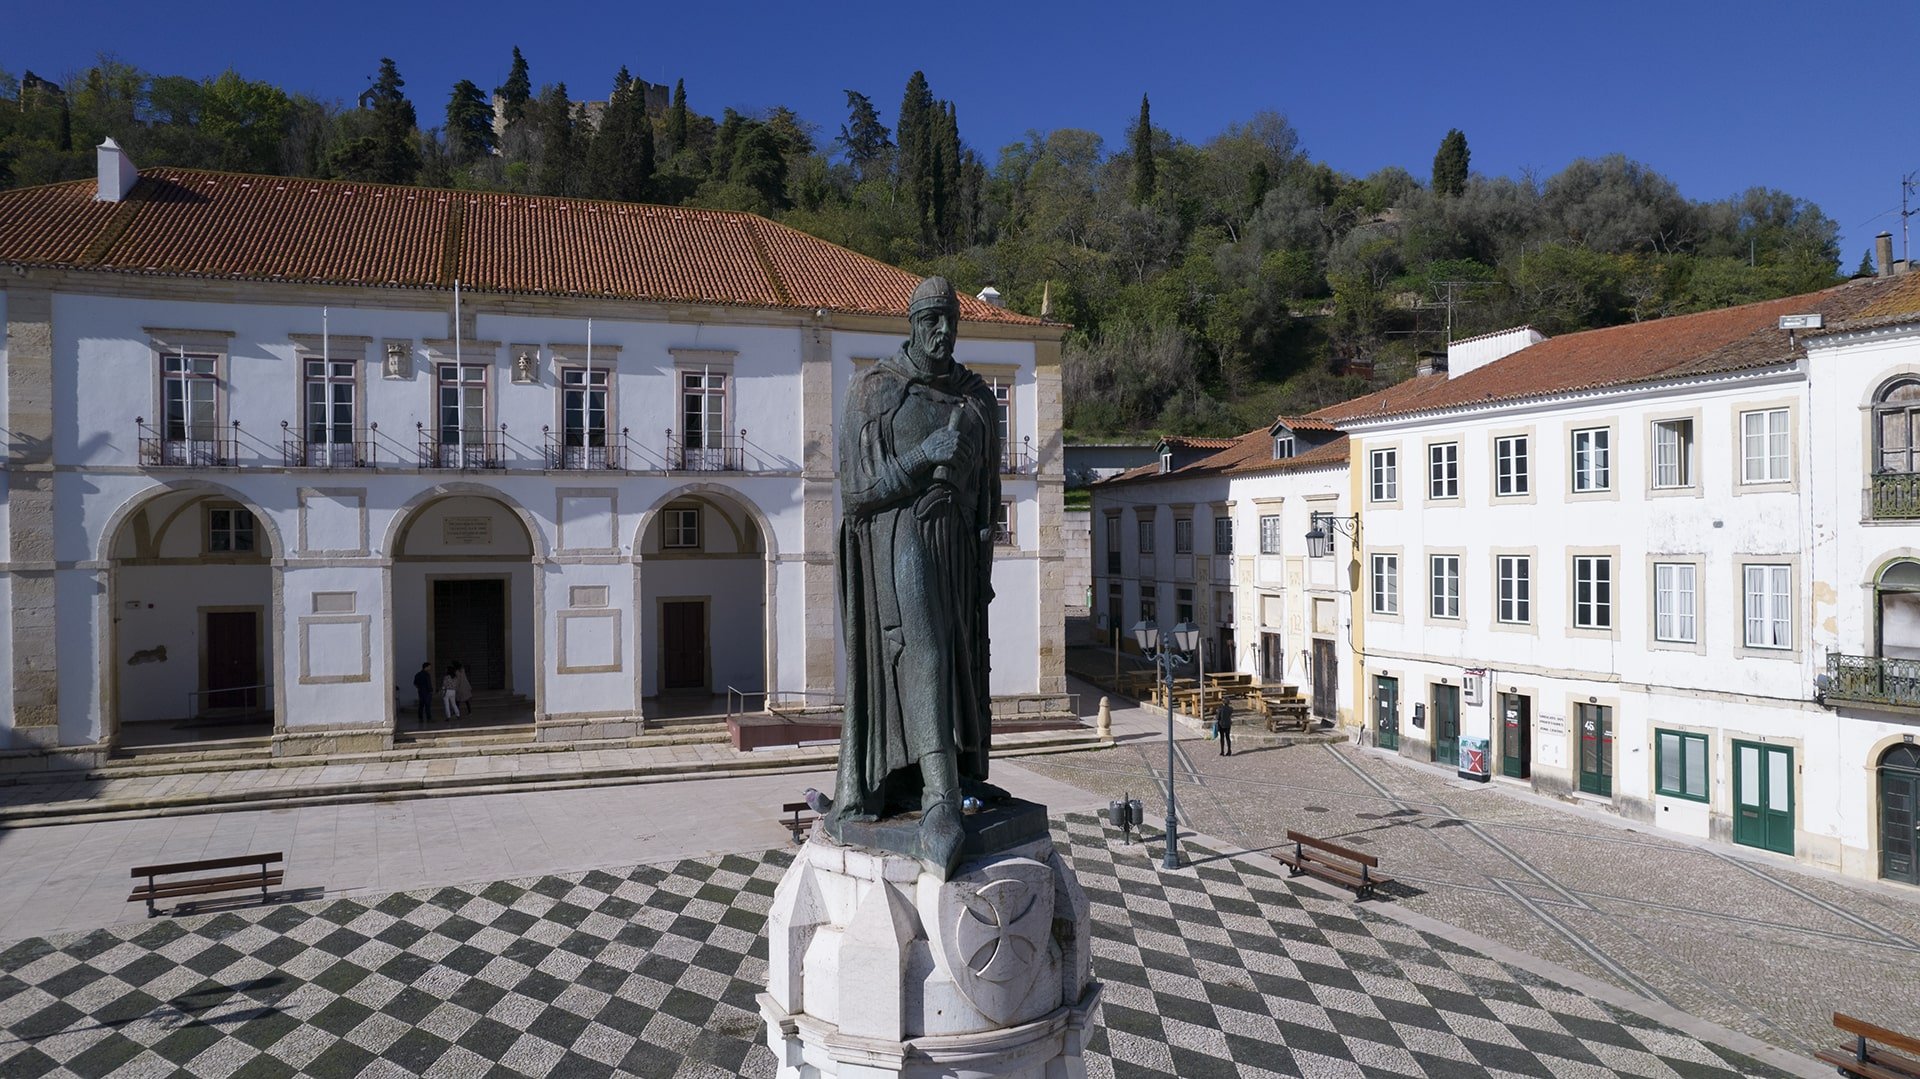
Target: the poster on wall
pixel 1473 758
pixel 1550 740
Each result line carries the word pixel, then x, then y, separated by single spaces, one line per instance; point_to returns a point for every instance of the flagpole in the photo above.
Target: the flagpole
pixel 586 401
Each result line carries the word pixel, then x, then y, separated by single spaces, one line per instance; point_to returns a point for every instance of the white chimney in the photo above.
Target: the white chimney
pixel 991 295
pixel 117 174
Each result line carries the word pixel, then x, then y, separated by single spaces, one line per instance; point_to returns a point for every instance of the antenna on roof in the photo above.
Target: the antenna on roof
pixel 1907 186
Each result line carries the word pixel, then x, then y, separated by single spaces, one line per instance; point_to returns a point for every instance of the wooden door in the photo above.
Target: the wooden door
pixel 1516 736
pixel 683 637
pixel 233 660
pixel 1386 701
pixel 1326 681
pixel 1273 659
pixel 1446 725
pixel 470 627
pixel 1763 796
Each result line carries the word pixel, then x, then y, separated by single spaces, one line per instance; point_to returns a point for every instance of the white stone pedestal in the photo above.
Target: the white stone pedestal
pixel 876 968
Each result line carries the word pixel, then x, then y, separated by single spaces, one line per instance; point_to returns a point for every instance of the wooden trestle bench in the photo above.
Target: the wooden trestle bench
pixel 1864 1061
pixel 1319 857
pixel 266 873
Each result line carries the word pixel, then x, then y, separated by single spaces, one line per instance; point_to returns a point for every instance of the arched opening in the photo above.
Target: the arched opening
pixel 705 612
pixel 464 593
pixel 1899 792
pixel 1897 602
pixel 1896 427
pixel 190 649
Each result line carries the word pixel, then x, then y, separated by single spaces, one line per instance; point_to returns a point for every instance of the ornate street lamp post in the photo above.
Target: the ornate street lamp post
pixel 1173 648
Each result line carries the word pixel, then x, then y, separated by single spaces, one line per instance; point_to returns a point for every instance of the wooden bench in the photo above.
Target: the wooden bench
pixel 802 819
pixel 1866 1062
pixel 1317 856
pixel 266 873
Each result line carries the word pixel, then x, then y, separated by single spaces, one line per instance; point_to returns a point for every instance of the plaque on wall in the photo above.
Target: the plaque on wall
pixel 466 531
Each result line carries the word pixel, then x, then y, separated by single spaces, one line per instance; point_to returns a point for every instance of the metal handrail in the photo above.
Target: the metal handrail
pixel 476 449
pixel 562 455
pixel 717 453
pixel 199 446
pixel 299 451
pixel 1873 680
pixel 196 706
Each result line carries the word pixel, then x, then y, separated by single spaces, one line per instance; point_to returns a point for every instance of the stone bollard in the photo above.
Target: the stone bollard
pixel 1105 723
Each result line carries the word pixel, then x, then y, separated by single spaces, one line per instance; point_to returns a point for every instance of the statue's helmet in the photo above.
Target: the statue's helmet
pixel 934 292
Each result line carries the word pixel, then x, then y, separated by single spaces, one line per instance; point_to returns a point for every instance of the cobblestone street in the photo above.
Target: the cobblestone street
pixel 1754 943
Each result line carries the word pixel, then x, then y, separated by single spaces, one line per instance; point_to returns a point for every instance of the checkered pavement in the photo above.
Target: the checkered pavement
pixel 1221 970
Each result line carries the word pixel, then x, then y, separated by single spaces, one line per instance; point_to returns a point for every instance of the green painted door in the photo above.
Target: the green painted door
pixel 1386 698
pixel 1516 736
pixel 1446 725
pixel 1596 749
pixel 1763 796
pixel 1900 814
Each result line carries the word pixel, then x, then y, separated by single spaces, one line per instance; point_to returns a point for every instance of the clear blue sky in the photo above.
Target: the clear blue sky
pixel 1814 99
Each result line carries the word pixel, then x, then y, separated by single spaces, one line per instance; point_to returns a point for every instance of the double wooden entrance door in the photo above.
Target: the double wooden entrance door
pixel 1326 681
pixel 683 639
pixel 232 645
pixel 470 627
pixel 1763 796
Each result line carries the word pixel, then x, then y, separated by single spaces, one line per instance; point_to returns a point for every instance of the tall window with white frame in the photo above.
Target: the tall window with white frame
pixel 464 441
pixel 1113 543
pixel 229 530
pixel 1443 470
pixel 1183 535
pixel 1003 524
pixel 1270 533
pixel 1592 460
pixel 1003 402
pixel 1592 592
pixel 1512 470
pixel 1223 535
pixel 705 445
pixel 1769 618
pixel 1674 585
pixel 1283 445
pixel 1145 529
pixel 1515 601
pixel 1672 454
pixel 190 409
pixel 1149 605
pixel 1444 594
pixel 1183 605
pixel 1386 584
pixel 331 387
pixel 1383 475
pixel 1764 446
pixel 583 417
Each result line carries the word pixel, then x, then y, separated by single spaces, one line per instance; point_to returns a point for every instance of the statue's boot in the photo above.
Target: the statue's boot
pixel 942 830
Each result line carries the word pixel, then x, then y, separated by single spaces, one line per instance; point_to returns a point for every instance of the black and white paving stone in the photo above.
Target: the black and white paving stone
pixel 1222 969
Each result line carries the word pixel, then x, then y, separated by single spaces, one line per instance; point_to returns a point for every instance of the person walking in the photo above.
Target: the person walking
pixel 462 689
pixel 449 690
pixel 423 687
pixel 1223 726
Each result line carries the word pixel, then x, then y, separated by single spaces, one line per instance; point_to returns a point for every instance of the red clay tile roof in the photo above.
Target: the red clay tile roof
pixel 1897 303
pixel 1249 453
pixel 193 223
pixel 1712 342
pixel 1309 424
pixel 1195 442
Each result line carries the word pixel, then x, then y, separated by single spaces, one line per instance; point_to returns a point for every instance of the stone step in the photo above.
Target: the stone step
pixel 660 770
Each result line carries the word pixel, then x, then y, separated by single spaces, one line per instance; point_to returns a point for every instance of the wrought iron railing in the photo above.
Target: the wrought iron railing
pixel 232 702
pixel 1020 460
pixel 300 450
pixel 567 449
pixel 707 452
pixel 193 446
pixel 1873 680
pixel 1895 496
pixel 478 448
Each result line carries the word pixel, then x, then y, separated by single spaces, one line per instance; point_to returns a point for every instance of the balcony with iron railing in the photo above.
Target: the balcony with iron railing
pixel 1020 460
pixel 707 452
pixel 585 451
pixel 478 448
pixel 1894 496
pixel 1872 680
pixel 187 446
pixel 328 447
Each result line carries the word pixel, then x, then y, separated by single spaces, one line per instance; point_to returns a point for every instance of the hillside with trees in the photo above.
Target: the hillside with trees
pixel 1210 285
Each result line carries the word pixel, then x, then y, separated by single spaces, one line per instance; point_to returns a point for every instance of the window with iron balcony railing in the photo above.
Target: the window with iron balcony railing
pixel 1872 680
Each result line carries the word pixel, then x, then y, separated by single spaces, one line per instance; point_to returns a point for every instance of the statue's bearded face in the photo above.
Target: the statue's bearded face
pixel 934 330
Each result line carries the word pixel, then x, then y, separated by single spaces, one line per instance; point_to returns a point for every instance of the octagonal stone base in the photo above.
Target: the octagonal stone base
pixel 877 968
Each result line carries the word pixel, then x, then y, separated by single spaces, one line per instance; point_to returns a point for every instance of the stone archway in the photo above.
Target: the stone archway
pixel 464 587
pixel 190 643
pixel 705 588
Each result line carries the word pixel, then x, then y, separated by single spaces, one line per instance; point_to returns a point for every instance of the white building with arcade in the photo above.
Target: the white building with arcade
pixel 275 443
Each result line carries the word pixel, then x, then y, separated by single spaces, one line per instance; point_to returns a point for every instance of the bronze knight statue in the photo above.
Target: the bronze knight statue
pixel 919 447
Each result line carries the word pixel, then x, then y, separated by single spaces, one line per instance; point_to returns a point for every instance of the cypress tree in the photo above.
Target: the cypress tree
pixel 397 153
pixel 517 90
pixel 864 136
pixel 919 153
pixel 1450 164
pixel 556 174
pixel 1866 265
pixel 469 122
pixel 677 117
pixel 1143 167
